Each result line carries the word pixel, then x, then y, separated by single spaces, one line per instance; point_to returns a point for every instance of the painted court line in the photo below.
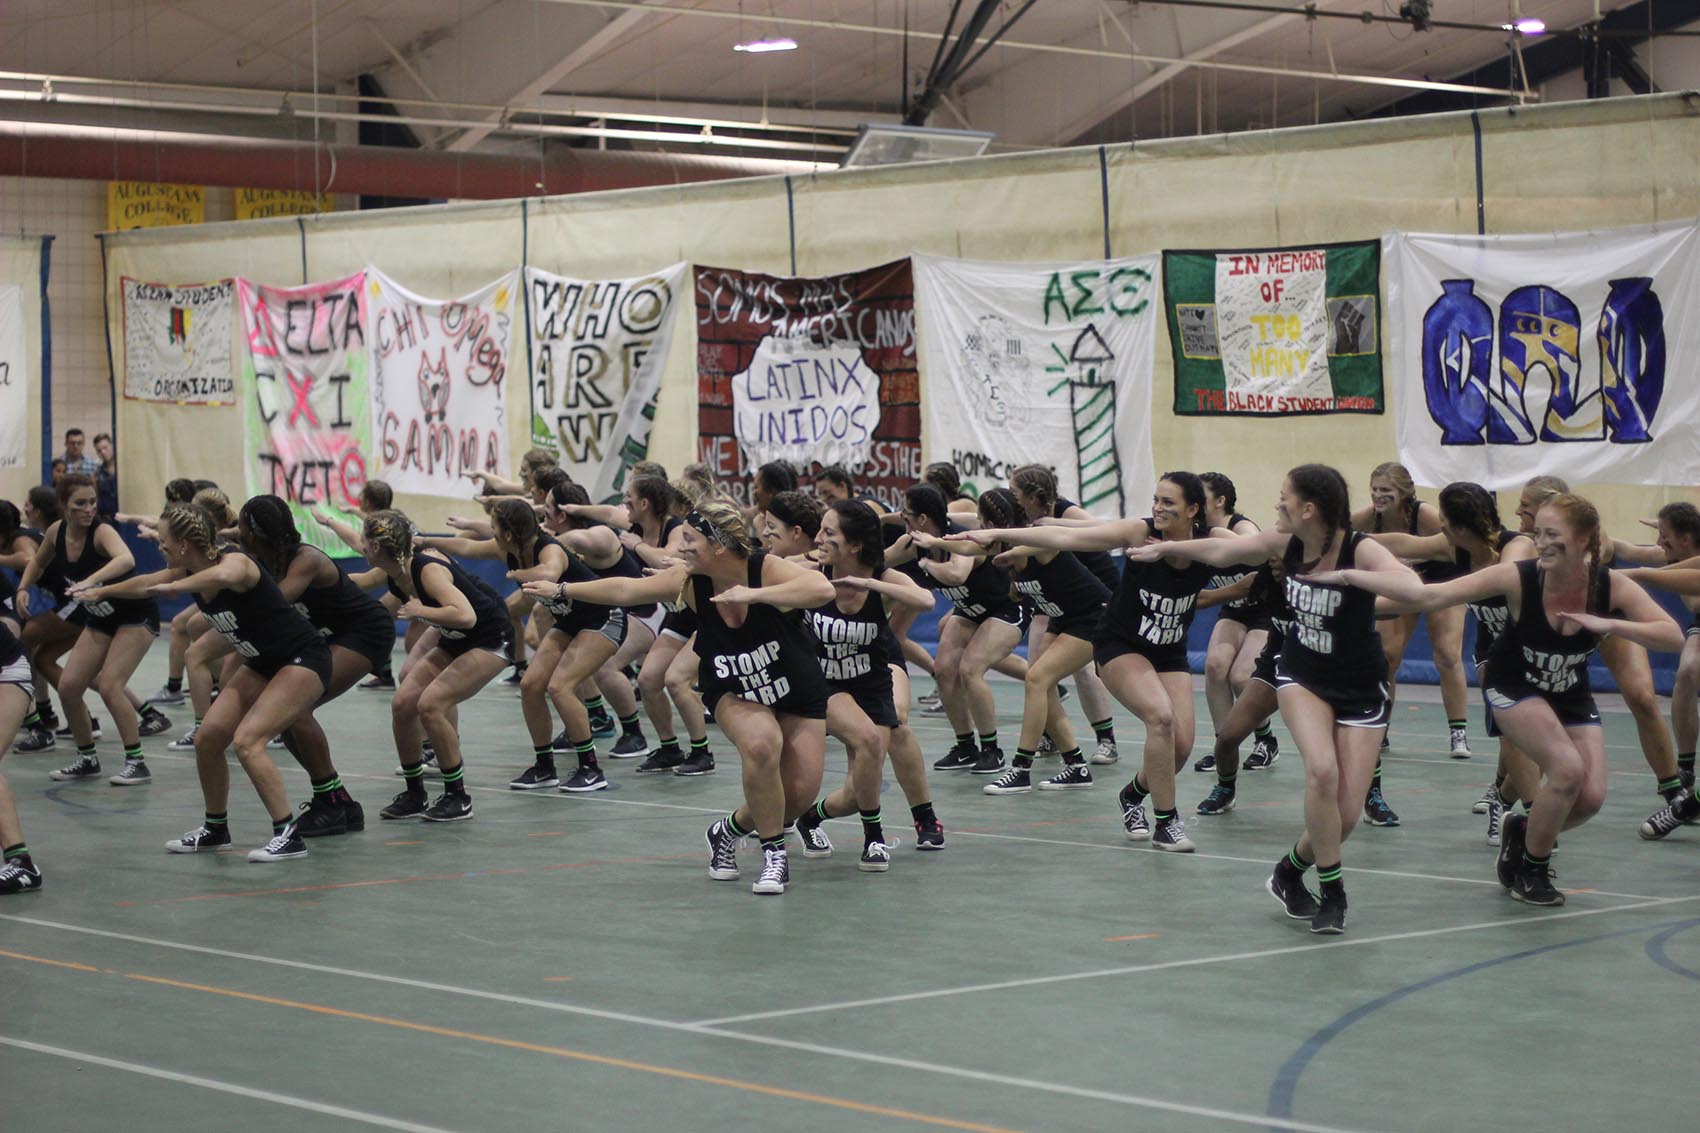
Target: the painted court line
pixel 223 1087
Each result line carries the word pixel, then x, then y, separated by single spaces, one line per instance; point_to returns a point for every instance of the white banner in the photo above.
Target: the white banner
pixel 597 352
pixel 1043 364
pixel 177 342
pixel 14 378
pixel 438 371
pixel 1557 354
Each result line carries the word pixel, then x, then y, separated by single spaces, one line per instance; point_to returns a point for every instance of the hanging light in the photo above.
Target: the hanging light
pixel 762 46
pixel 1528 25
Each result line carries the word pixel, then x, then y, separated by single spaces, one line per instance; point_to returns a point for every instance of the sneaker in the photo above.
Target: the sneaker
pixel 167 695
pixel 86 767
pixel 1489 797
pixel 427 760
pixel 561 742
pixel 1264 753
pixel 1105 752
pixel 722 852
pixel 40 738
pixel 1513 829
pixel 1047 748
pixel 602 725
pixel 929 837
pixel 775 873
pixel 153 722
pixel 815 842
pixel 876 858
pixel 696 763
pixel 285 844
pixel 405 805
pixel 988 762
pixel 1014 781
pixel 1496 819
pixel 1287 885
pixel 65 732
pixel 1170 835
pixel 586 780
pixel 378 682
pixel 354 815
pixel 1330 919
pixel 1207 763
pixel 1220 800
pixel 629 746
pixel 515 677
pixel 935 709
pixel 201 840
pixel 1376 810
pixel 135 774
pixel 275 743
pixel 1461 744
pixel 667 757
pixel 1682 811
pixel 1533 886
pixel 1073 777
pixel 534 778
pixel 960 757
pixel 449 808
pixel 1133 819
pixel 185 742
pixel 16 877
pixel 321 818
pixel 927 701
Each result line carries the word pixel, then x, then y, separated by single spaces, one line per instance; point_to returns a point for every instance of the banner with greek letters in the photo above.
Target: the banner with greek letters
pixel 1551 354
pixel 1270 332
pixel 813 371
pixel 598 347
pixel 439 371
pixel 14 378
pixel 307 411
pixel 177 342
pixel 1043 364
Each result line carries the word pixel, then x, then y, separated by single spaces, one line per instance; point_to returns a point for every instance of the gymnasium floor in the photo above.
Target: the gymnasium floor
pixel 565 962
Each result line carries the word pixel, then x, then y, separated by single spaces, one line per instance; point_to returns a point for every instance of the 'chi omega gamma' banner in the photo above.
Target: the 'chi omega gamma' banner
pixel 1266 332
pixel 1559 353
pixel 177 342
pixel 1043 364
pixel 438 373
pixel 308 416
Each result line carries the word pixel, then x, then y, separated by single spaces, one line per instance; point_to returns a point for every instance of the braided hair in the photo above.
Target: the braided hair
pixel 1324 488
pixel 999 507
pixel 1037 481
pixel 942 474
pixel 1470 507
pixel 269 532
pixel 655 491
pixel 730 529
pixel 45 500
pixel 390 531
pixel 1223 489
pixel 218 506
pixel 516 521
pixel 180 491
pixel 192 524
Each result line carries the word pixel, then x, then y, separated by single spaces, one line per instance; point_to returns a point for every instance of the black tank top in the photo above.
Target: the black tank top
pixel 1532 653
pixel 1332 641
pixel 341 607
pixel 628 565
pixel 566 611
pixel 1061 588
pixel 1227 576
pixel 852 646
pixel 260 623
pixel 772 656
pixel 985 589
pixel 1098 562
pixel 1491 613
pixel 1272 597
pixel 491 612
pixel 86 564
pixel 1155 603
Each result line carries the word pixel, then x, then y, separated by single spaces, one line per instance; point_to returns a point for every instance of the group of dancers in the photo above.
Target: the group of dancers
pixel 787 621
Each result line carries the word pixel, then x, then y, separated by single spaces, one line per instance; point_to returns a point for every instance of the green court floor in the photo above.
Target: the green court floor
pixel 566 963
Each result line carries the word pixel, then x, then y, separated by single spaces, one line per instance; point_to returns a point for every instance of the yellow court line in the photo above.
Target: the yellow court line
pixel 1136 936
pixel 577 1055
pixel 45 960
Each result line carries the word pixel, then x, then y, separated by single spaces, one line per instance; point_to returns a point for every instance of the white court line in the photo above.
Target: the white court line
pixel 224 1087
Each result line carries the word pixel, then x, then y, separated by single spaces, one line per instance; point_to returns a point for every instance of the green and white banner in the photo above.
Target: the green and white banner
pixel 1272 332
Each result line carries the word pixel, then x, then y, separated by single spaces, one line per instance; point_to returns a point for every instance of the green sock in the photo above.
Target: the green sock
pixel 413 774
pixel 1072 757
pixel 1297 860
pixel 132 753
pixel 733 828
pixel 1263 731
pixel 872 831
pixel 1457 725
pixel 1226 778
pixel 1376 781
pixel 326 786
pixel 20 852
pixel 1134 791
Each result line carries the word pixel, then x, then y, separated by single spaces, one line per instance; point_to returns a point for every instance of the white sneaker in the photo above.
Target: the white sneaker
pixel 775 873
pixel 1105 752
pixel 1460 744
pixel 186 742
pixel 1489 797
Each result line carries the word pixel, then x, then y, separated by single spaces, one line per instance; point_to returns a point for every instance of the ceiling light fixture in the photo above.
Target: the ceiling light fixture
pixel 762 46
pixel 1529 25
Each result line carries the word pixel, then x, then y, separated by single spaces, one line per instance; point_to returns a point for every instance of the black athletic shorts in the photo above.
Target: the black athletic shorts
pixel 495 642
pixel 1107 646
pixel 611 622
pixel 375 647
pixel 1355 706
pixel 315 656
pixel 1574 709
pixel 1251 619
pixel 1083 626
pixel 872 695
pixel 681 623
pixel 123 613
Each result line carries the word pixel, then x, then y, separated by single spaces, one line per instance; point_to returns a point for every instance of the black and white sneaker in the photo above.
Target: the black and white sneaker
pixel 928 700
pixel 134 774
pixel 1287 885
pixel 876 858
pixel 629 746
pixel 1330 919
pixel 1489 797
pixel 722 852
pixel 167 695
pixel 40 738
pixel 561 742
pixel 153 722
pixel 929 837
pixel 534 778
pixel 201 840
pixel 16 877
pixel 284 845
pixel 321 818
pixel 1376 810
pixel 960 757
pixel 406 805
pixel 1138 827
pixel 1073 777
pixel 1105 752
pixel 815 842
pixel 1170 835
pixel 185 742
pixel 449 808
pixel 1682 811
pixel 696 763
pixel 1047 748
pixel 1533 886
pixel 988 762
pixel 378 682
pixel 775 873
pixel 1206 763
pixel 1496 819
pixel 662 759
pixel 1264 753
pixel 1220 800
pixel 65 733
pixel 86 767
pixel 937 708
pixel 1460 743
pixel 1014 781
pixel 586 780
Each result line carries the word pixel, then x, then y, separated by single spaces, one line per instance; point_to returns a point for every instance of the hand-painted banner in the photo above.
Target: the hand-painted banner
pixel 810 371
pixel 1043 364
pixel 1270 332
pixel 308 414
pixel 439 369
pixel 177 342
pixel 14 378
pixel 597 351
pixel 1517 356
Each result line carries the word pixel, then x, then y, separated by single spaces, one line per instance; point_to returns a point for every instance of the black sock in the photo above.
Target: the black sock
pixel 667 744
pixel 1104 730
pixel 174 684
pixel 1297 860
pixel 595 705
pixel 1457 725
pixel 777 842
pixel 1329 875
pixel 1164 815
pixel 1133 791
pixel 1263 731
pixel 629 725
pixel 1072 757
pixel 1685 764
pixel 327 786
pixel 965 738
pixel 988 739
pixel 923 814
pixel 454 782
pixel 20 854
pixel 543 755
pixel 1226 779
pixel 814 816
pixel 699 747
pixel 279 825
pixel 1670 788
pixel 1530 861
pixel 872 831
pixel 1376 782
pixel 214 821
pixel 586 752
pixel 1024 758
pixel 132 754
pixel 734 829
pixel 413 774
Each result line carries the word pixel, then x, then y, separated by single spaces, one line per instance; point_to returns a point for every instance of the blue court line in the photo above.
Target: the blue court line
pixel 1287 1078
pixel 1656 951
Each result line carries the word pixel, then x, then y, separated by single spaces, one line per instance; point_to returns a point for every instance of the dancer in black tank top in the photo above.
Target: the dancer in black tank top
pixel 760 674
pixel 18 871
pixel 466 652
pixel 1264 588
pixel 1561 603
pixel 856 647
pixel 47 636
pixel 1240 632
pixel 1140 642
pixel 1330 674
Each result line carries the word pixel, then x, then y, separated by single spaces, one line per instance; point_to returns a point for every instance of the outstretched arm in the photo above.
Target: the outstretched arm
pixel 1223 550
pixel 1106 535
pixel 1644 621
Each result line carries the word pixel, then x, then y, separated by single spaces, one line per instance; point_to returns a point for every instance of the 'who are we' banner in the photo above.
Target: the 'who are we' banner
pixel 1043 364
pixel 1269 332
pixel 177 342
pixel 598 348
pixel 1567 354
pixel 437 379
pixel 812 371
pixel 14 378
pixel 307 408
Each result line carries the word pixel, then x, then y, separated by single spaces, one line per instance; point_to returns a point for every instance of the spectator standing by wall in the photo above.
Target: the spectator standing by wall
pixel 106 477
pixel 75 458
